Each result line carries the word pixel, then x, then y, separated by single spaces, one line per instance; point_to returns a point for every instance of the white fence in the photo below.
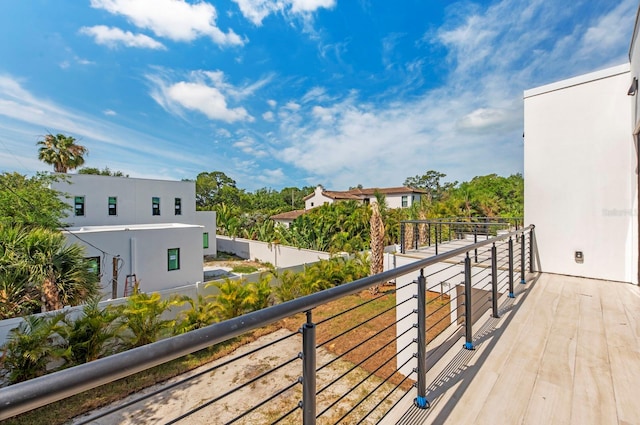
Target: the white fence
pixel 278 255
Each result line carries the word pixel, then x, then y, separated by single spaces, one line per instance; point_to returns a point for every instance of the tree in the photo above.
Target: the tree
pixel 38 264
pixel 62 152
pixel 377 242
pixel 104 172
pixel 430 181
pixel 209 187
pixel 29 201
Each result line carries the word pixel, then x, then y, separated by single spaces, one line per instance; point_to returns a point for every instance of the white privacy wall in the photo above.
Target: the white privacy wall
pixel 580 175
pixel 143 251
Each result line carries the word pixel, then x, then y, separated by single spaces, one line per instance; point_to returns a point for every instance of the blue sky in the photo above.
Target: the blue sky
pixel 282 93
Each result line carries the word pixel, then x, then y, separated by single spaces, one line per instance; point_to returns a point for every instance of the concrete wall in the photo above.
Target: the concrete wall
pixel 395 201
pixel 580 175
pixel 278 255
pixel 144 252
pixel 133 199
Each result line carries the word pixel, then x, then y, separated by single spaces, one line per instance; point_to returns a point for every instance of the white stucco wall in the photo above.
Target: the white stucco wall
pixel 133 199
pixel 318 199
pixel 278 255
pixel 143 251
pixel 395 200
pixel 579 173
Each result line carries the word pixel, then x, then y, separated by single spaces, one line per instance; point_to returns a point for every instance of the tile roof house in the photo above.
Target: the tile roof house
pixel 396 197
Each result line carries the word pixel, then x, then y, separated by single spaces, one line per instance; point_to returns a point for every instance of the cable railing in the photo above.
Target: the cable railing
pixel 357 354
pixel 417 234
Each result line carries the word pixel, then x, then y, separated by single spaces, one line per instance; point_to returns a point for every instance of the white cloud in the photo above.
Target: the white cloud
pixel 472 123
pixel 268 116
pixel 110 112
pixel 173 19
pixel 272 103
pixel 205 92
pixel 113 37
pixel 25 117
pixel 257 10
pixel 248 146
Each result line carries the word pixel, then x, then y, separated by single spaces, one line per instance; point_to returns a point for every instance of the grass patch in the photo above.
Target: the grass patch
pixel 244 269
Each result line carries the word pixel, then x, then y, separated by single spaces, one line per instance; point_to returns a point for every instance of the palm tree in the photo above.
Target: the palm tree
pixel 377 243
pixel 62 152
pixel 57 269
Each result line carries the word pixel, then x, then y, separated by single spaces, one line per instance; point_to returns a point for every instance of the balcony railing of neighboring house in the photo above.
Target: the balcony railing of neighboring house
pixel 336 376
pixel 417 234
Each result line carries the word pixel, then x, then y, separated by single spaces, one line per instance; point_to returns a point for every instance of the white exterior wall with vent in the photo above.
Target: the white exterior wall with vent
pixel 580 175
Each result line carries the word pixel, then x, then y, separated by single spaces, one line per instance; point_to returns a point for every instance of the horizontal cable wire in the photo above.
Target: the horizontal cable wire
pixel 446 268
pixel 382 382
pixel 362 361
pixel 357 345
pixel 182 381
pixel 355 307
pixel 362 381
pixel 285 415
pixel 233 390
pixel 273 396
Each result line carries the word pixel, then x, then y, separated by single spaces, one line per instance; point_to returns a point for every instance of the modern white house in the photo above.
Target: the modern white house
pixel 396 197
pixel 580 172
pixel 139 230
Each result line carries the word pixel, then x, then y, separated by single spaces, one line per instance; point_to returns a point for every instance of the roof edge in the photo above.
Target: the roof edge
pixel 578 80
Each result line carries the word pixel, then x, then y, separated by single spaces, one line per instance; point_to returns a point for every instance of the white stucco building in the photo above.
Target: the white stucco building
pixel 396 197
pixel 151 227
pixel 581 186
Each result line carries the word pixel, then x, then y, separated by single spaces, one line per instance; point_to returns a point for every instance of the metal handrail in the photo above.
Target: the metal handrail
pixel 38 392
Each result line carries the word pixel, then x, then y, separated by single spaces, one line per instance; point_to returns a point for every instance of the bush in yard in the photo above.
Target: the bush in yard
pixel 92 335
pixel 141 320
pixel 202 313
pixel 32 346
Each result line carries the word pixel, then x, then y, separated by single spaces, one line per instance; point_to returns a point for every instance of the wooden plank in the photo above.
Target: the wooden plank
pixel 553 390
pixel 593 395
pixel 504 383
pixel 623 348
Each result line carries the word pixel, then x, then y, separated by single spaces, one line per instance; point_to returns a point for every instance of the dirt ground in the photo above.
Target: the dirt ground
pixel 275 394
pixel 213 381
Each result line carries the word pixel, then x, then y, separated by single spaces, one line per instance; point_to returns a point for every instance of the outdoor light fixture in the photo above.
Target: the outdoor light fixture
pixel 634 87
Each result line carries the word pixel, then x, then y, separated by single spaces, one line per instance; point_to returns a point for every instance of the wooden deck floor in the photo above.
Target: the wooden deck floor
pixel 567 351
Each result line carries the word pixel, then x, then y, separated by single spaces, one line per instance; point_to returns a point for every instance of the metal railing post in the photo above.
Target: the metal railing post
pixel 416 235
pixel 402 247
pixel 428 234
pixel 511 294
pixel 468 324
pixel 309 371
pixel 421 384
pixel 475 240
pixel 531 257
pixel 523 278
pixel 494 280
pixel 436 236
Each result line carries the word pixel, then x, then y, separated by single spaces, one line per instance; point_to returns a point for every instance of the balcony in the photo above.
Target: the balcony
pixel 471 335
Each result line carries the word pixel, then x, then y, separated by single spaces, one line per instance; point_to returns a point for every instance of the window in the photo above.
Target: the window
pixel 205 240
pixel 113 205
pixel 155 206
pixel 93 265
pixel 405 201
pixel 79 206
pixel 173 255
pixel 366 201
pixel 178 208
pixel 312 204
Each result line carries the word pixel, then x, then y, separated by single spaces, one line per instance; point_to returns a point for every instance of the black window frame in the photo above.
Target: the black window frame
pixel 155 206
pixel 79 212
pixel 177 206
pixel 177 251
pixel 112 211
